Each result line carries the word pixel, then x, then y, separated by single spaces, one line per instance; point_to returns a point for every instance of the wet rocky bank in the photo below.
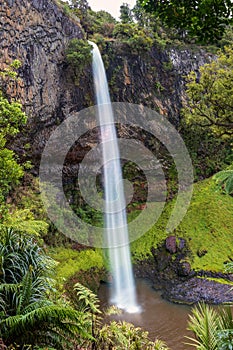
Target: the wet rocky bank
pixel 169 270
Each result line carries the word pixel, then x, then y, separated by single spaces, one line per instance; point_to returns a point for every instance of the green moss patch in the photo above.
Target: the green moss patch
pixel 207 227
pixel 72 261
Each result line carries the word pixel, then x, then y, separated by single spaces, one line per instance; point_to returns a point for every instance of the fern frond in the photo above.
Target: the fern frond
pixel 87 299
pixel 225 179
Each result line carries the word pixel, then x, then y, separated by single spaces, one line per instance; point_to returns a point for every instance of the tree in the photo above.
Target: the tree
pixel 133 38
pixel 209 105
pixel 143 18
pixel 81 7
pixel 204 20
pixel 12 118
pixel 125 13
pixel 100 22
pixel 209 102
pixel 78 54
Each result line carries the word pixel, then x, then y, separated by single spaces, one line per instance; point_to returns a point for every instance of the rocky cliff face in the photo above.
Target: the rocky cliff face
pixel 155 79
pixel 37 33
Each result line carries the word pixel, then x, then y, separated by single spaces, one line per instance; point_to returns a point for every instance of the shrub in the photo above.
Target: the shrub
pixel 78 55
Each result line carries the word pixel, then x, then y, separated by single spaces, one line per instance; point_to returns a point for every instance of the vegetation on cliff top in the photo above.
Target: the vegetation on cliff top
pixel 204 20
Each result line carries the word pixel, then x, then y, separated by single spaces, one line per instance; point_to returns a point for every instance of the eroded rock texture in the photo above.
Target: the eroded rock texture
pixel 37 33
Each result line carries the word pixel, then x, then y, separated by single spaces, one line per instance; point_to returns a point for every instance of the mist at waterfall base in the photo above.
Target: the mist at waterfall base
pixel 116 231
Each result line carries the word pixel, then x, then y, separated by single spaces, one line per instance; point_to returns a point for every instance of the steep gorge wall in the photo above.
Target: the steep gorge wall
pixel 37 33
pixel 155 79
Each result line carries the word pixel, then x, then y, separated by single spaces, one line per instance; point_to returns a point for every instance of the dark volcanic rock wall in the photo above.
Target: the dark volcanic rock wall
pixel 37 33
pixel 155 79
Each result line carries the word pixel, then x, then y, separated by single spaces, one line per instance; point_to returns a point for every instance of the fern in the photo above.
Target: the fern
pixel 27 316
pixel 66 323
pixel 224 179
pixel 87 300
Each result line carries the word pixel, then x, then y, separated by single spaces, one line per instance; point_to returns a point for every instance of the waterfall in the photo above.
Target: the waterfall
pixel 116 230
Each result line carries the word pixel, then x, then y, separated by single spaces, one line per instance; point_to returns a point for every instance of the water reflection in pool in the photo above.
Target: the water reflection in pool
pixel 162 319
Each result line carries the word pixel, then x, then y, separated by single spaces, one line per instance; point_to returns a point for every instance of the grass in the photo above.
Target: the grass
pixel 207 226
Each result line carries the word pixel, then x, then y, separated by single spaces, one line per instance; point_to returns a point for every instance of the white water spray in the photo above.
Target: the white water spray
pixel 116 230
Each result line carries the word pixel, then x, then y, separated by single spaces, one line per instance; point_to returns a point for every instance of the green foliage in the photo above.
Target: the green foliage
pixel 135 39
pixel 10 170
pixel 210 99
pixel 160 345
pixel 227 39
pixel 168 66
pixel 28 314
pixel 123 31
pixel 26 212
pixel 143 18
pixel 205 325
pixel 80 8
pixel 225 339
pixel 45 325
pixel 113 335
pixel 209 154
pixel 125 13
pixel 10 72
pixel 12 118
pixel 224 180
pixel 78 55
pixel 72 261
pixel 87 300
pixel 229 267
pixel 205 227
pixel 204 20
pixel 212 328
pixel 24 221
pixel 123 335
pixel 19 254
pixel 100 23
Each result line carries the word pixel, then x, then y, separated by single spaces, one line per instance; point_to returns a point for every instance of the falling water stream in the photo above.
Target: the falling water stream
pixel 116 230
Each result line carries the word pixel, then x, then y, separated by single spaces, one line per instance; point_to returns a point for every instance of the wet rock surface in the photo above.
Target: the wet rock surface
pixel 199 289
pixel 171 273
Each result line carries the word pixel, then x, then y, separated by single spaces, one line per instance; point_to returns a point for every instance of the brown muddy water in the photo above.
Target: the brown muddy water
pixel 163 320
